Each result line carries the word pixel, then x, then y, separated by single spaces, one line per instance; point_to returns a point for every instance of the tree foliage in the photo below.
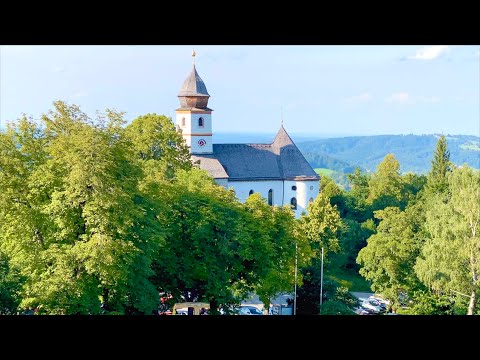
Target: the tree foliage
pixel 10 285
pixel 450 259
pixel 387 260
pixel 321 225
pixel 335 307
pixel 218 250
pixel 437 177
pixel 386 185
pixel 286 242
pixel 74 222
pixel 158 145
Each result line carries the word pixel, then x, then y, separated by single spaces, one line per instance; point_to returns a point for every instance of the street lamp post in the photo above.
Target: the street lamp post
pixel 295 295
pixel 321 284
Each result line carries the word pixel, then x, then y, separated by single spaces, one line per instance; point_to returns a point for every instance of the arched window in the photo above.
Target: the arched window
pixel 293 203
pixel 270 197
pixel 311 200
pixel 200 122
pixel 183 121
pixel 250 192
pixel 294 188
pixel 311 187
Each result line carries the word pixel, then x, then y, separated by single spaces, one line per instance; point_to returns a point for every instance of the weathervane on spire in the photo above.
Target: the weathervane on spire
pixel 281 115
pixel 193 56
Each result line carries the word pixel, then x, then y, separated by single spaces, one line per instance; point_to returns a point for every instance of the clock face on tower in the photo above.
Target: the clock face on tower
pixel 202 142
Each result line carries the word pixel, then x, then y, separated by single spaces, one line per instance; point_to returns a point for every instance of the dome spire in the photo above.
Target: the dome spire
pixel 193 93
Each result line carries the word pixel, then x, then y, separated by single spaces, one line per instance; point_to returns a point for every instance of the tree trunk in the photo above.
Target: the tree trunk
pixel 213 307
pixel 473 302
pixel 473 296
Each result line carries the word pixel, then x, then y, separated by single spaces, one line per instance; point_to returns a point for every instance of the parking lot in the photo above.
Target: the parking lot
pixel 370 304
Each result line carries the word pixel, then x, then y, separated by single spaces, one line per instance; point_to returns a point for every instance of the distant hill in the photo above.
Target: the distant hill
pixel 414 152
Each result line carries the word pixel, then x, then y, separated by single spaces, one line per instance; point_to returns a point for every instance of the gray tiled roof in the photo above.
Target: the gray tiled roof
pixel 276 161
pixel 193 85
pixel 210 164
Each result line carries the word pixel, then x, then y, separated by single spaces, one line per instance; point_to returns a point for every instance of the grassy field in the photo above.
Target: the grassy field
pixel 324 171
pixel 350 279
pixel 473 147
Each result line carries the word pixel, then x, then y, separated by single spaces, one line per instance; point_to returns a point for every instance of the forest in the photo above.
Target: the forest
pixel 101 216
pixel 412 151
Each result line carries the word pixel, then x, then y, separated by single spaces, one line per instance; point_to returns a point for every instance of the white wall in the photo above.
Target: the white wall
pixel 282 191
pixel 222 182
pixel 191 127
pixel 242 188
pixel 305 191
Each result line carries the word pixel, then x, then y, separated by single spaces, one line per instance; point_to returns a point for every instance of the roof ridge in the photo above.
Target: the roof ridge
pixel 282 138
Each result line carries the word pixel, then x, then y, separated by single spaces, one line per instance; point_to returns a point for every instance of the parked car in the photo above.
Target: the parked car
pixel 249 310
pixel 191 308
pixel 383 303
pixel 374 305
pixel 182 311
pixel 364 311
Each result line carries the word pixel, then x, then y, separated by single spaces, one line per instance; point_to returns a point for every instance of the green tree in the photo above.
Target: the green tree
pixel 321 225
pixel 279 230
pixel 10 286
pixel 388 259
pixel 335 307
pixel 386 185
pixel 158 145
pixel 336 195
pixel 75 223
pixel 215 250
pixel 359 185
pixel 413 185
pixel 426 302
pixel 341 303
pixel 450 258
pixel 437 177
pixel 353 237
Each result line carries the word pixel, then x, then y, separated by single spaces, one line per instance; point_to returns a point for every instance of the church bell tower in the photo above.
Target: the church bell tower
pixel 194 118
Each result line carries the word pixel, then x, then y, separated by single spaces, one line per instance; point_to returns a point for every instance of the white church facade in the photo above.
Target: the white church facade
pixel 278 171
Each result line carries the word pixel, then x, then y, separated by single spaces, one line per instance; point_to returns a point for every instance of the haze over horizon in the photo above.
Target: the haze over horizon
pixel 318 91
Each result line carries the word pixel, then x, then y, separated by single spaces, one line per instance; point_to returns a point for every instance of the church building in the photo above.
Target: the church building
pixel 278 171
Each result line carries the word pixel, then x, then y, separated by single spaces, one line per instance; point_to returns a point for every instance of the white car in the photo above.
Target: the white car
pixel 383 303
pixel 374 305
pixel 182 311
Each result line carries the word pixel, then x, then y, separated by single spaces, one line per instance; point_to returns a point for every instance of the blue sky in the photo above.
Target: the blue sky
pixel 323 90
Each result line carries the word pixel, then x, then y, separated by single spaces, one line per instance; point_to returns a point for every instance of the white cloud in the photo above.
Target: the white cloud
pixel 429 99
pixel 399 98
pixel 58 69
pixel 429 52
pixel 364 97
